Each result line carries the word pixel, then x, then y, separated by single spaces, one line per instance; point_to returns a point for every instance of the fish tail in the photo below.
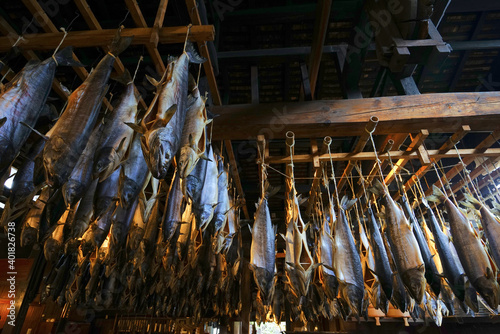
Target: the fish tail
pixel 194 57
pixel 437 195
pixel 346 203
pixel 119 43
pixel 125 78
pixel 65 58
pixel 377 187
pixel 471 202
pixel 270 190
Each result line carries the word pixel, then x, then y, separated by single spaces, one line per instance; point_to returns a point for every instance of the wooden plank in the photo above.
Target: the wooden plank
pixel 412 148
pixel 481 147
pixel 469 153
pixel 444 112
pixel 140 22
pixel 207 66
pixel 236 176
pixel 92 38
pixel 448 145
pixel 323 10
pixel 160 16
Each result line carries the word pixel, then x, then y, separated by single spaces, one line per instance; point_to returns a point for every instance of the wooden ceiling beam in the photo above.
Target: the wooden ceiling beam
pixel 94 24
pixel 468 153
pixel 202 47
pixel 467 160
pixel 93 38
pixel 140 22
pixel 323 10
pixel 443 112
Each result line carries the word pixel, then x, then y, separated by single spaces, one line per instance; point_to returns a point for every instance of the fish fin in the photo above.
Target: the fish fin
pixel 204 157
pixel 2 121
pixel 44 137
pixel 467 204
pixel 119 43
pixel 125 78
pixel 193 56
pixel 122 143
pixel 489 273
pixel 152 80
pixel 136 127
pixel 270 190
pixel 472 202
pixel 346 203
pixel 65 58
pixel 170 113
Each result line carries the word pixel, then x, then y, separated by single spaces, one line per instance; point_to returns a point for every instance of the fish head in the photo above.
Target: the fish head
pixel 488 289
pixel 265 282
pixel 29 236
pixel 104 165
pixel 187 161
pixel 414 281
pixel 72 191
pixel 57 167
pixel 52 249
pixel 161 153
pixel 128 191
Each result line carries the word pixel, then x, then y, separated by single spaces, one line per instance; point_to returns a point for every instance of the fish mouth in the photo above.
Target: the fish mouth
pixel 414 281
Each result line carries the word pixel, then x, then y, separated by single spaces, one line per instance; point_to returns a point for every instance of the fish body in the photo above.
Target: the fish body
pixel 382 266
pixel 222 208
pixel 262 251
pixel 106 193
pixel 23 99
pixel 81 175
pixel 327 274
pixel 134 174
pixel 173 213
pixel 347 263
pixel 120 225
pixel 31 225
pixel 84 212
pixel 404 246
pixel 96 233
pixel 452 268
pixel 203 209
pixel 53 246
pixel 116 135
pixel 431 272
pixel 470 251
pixel 136 232
pixel 72 131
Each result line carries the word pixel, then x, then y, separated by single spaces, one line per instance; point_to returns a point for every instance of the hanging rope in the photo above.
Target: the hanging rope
pixel 376 155
pixel 333 175
pixel 467 175
pixel 141 58
pixel 62 40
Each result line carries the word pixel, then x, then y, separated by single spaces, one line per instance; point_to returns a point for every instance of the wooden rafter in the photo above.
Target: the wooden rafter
pixel 92 38
pixel 445 112
pixel 323 10
pixel 140 22
pixel 207 66
pixel 481 147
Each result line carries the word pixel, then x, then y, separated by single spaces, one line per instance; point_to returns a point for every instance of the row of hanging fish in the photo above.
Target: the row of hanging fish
pixel 337 264
pixel 93 192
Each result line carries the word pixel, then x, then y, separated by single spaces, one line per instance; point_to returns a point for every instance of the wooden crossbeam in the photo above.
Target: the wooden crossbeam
pixel 473 175
pixel 416 142
pixel 469 154
pixel 94 24
pixel 323 10
pixel 236 176
pixel 92 38
pixel 202 46
pixel 480 148
pixel 370 127
pixel 140 22
pixel 444 112
pixel 160 16
pixel 448 145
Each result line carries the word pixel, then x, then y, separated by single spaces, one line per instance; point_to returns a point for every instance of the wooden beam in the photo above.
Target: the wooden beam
pixel 444 112
pixel 473 175
pixel 481 147
pixel 140 22
pixel 92 38
pixel 370 127
pixel 207 66
pixel 160 16
pixel 469 153
pixel 318 173
pixel 448 145
pixel 236 176
pixel 323 10
pixel 416 142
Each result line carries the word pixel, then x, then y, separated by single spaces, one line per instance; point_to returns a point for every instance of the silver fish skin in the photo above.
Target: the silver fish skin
pixel 452 268
pixel 135 233
pixel 223 206
pixel 347 263
pixel 84 212
pixel 162 141
pixel 431 272
pixel 470 251
pixel 81 176
pixel 327 274
pixel 120 225
pixel 382 265
pixel 133 175
pixel 491 227
pixel 53 246
pixel 204 208
pixel 404 246
pixel 173 214
pixel 262 251
pixel 106 193
pixel 23 99
pixel 72 131
pixel 31 224
pixel 97 231
pixel 116 135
